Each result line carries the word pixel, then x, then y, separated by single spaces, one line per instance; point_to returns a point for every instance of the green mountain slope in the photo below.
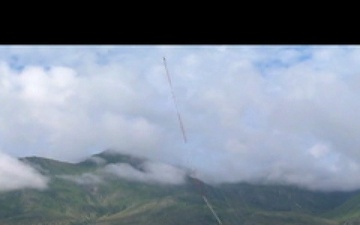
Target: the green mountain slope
pixel 81 193
pixel 348 212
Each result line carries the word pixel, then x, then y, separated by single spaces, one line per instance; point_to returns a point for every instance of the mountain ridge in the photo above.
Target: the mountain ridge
pixel 86 193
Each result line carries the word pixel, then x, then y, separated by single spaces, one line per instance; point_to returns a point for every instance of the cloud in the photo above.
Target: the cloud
pixel 46 106
pixel 151 172
pixel 83 179
pixel 15 175
pixel 97 160
pixel 287 114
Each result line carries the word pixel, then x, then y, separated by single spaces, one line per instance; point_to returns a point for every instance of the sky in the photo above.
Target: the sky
pixel 256 113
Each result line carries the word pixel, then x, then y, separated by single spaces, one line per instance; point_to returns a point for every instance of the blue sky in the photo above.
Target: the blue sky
pixel 259 113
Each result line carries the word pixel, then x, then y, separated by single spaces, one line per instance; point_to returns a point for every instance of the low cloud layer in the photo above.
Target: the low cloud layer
pixel 148 172
pixel 151 172
pixel 83 179
pixel 15 175
pixel 287 114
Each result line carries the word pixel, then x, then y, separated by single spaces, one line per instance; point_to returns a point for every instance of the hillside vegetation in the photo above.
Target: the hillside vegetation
pixel 76 197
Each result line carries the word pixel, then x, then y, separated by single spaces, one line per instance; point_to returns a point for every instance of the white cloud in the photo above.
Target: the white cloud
pixel 98 160
pixel 319 150
pixel 49 110
pixel 282 113
pixel 152 172
pixel 15 175
pixel 83 179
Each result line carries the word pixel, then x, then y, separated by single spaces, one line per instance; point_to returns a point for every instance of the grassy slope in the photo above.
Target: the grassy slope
pixel 124 202
pixel 348 212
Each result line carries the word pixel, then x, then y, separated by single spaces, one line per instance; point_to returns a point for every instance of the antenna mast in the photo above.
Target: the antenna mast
pixel 208 204
pixel 175 103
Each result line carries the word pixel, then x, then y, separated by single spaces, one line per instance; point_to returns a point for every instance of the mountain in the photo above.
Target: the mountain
pixel 90 192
